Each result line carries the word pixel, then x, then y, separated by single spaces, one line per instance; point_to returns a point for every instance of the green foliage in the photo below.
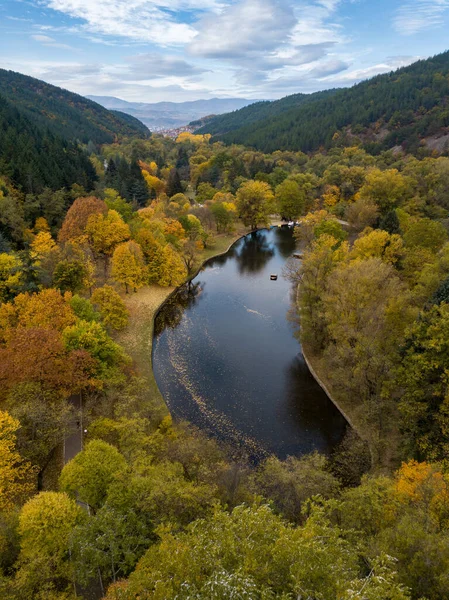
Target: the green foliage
pixel 83 309
pixel 92 336
pixel 308 122
pixel 291 199
pixel 89 475
pixel 73 117
pixel 34 158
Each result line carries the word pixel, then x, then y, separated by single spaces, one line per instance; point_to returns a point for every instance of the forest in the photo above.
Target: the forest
pixel 396 109
pixel 152 508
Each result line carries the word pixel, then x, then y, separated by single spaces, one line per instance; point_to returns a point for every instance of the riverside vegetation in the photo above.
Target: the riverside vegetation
pixel 171 515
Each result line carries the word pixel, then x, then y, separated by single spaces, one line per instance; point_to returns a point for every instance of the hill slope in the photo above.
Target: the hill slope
pixel 65 114
pixel 406 105
pixel 34 158
pixel 164 115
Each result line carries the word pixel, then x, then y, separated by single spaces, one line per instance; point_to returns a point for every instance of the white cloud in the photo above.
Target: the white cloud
pixel 413 17
pixel 49 41
pixel 244 29
pixel 143 20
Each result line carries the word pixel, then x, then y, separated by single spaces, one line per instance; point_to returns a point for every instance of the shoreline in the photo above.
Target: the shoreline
pixel 144 306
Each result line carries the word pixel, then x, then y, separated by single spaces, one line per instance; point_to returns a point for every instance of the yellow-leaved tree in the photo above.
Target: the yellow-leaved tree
pixel 128 265
pixel 16 475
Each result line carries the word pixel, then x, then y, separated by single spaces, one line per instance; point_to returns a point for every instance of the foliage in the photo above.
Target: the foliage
pixel 111 307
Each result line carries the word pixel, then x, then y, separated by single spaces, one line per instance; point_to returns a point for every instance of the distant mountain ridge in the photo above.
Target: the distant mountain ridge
pixel 166 115
pixel 64 113
pixel 404 108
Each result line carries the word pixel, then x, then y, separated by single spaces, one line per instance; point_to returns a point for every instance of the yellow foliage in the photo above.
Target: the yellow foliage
pixel 186 136
pixel 15 474
pixel 42 245
pixel 41 225
pixel 10 274
pixel 106 231
pixel 380 244
pixel 331 195
pixel 153 182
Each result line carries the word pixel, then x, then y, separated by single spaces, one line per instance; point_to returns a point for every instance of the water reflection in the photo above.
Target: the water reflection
pixel 254 253
pixel 225 356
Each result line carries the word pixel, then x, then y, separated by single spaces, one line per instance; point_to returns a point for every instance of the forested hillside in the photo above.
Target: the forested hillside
pixel 35 158
pixel 257 112
pixel 399 108
pixel 66 114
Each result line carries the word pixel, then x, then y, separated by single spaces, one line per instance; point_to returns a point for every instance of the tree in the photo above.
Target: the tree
pixel 174 185
pixel 11 275
pixel 42 245
pixel 47 309
pixel 386 188
pixel 425 233
pixel 115 202
pixel 112 309
pixel 70 275
pixel 77 216
pixel 46 523
pixel 37 355
pixel 291 199
pixel 92 338
pixel 105 232
pixel 288 484
pixel 422 376
pixel 363 213
pixel 128 265
pixel 378 244
pixel 89 475
pixel 16 475
pixel 254 202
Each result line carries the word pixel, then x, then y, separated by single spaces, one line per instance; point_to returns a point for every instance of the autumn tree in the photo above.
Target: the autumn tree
pixel 106 232
pixel 46 523
pixel 37 355
pixel 128 265
pixel 78 215
pixel 386 188
pixel 254 203
pixel 111 307
pixel 16 475
pixel 11 275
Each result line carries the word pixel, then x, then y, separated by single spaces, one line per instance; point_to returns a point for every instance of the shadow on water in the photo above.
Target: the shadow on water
pixel 173 310
pixel 254 253
pixel 286 244
pixel 226 356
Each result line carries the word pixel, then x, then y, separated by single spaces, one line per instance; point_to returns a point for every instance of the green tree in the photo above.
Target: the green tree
pixel 46 523
pixel 89 475
pixel 290 199
pixel 254 203
pixel 425 233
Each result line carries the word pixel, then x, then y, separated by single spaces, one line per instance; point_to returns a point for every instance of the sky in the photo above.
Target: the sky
pixel 178 50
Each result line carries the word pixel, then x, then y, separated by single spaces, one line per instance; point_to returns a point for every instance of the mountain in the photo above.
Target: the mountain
pixel 405 107
pixel 35 158
pixel 170 115
pixel 64 113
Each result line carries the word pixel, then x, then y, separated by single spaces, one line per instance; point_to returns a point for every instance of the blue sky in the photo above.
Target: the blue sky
pixel 153 50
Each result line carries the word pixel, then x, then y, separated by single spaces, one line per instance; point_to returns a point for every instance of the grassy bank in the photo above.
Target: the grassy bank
pixel 137 338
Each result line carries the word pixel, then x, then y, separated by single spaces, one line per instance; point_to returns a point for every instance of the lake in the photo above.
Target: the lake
pixel 226 358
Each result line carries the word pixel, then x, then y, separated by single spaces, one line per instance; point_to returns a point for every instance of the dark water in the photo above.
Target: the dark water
pixel 226 359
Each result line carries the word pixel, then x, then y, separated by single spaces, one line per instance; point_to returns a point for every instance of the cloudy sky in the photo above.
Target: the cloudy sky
pixel 152 50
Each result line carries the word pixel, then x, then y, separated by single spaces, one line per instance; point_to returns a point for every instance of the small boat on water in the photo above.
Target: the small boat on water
pixel 273 277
